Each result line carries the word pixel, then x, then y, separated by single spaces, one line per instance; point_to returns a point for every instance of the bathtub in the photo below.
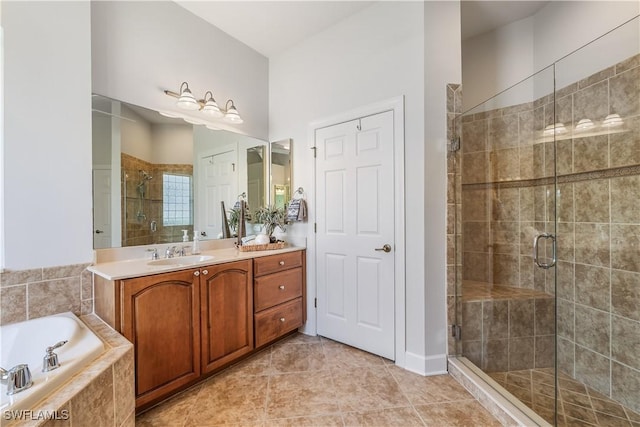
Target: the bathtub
pixel 25 342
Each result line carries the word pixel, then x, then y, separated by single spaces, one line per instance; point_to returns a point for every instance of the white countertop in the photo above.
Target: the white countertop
pixel 142 267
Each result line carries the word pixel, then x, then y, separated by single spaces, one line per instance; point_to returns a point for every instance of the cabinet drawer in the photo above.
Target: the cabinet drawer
pixel 277 321
pixel 277 288
pixel 274 263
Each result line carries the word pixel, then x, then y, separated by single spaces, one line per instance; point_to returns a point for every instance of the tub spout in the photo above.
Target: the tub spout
pixel 18 378
pixel 50 360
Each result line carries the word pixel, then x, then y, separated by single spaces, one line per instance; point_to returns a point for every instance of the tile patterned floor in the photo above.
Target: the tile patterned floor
pixel 578 405
pixel 312 381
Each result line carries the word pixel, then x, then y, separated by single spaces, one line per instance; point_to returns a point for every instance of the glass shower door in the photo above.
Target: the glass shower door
pixel 506 291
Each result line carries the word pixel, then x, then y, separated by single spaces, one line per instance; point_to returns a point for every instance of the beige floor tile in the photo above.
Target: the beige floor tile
pixel 301 394
pixel 230 399
pixel 258 364
pixel 342 356
pixel 386 417
pixel 367 388
pixel 422 390
pixel 319 420
pixel 300 357
pixel 464 413
pixel 172 412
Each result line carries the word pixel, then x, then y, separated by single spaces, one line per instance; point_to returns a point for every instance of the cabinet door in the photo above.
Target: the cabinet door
pixel 161 317
pixel 227 313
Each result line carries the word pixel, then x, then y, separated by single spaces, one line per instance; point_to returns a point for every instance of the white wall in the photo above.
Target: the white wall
pixel 172 143
pixel 136 139
pixel 47 134
pixel 494 61
pixel 142 48
pixel 442 66
pixel 374 55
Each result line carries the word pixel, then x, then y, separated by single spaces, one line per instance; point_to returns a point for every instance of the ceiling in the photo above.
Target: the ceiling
pixel 271 27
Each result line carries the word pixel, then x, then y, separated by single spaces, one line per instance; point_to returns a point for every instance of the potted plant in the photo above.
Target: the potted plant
pixel 271 217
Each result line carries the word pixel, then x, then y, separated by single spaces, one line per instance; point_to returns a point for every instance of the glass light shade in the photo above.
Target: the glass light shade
pixel 584 124
pixel 612 120
pixel 232 115
pixel 211 109
pixel 557 128
pixel 187 101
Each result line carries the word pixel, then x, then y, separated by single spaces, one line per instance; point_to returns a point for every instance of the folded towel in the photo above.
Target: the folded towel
pixel 297 210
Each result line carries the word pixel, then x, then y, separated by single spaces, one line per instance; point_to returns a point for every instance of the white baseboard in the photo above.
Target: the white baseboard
pixel 426 365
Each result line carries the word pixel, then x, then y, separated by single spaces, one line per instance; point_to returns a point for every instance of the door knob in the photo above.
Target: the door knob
pixel 385 248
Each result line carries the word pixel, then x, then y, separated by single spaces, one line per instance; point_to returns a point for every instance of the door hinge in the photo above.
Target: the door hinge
pixel 315 227
pixel 314 151
pixel 315 303
pixel 456 332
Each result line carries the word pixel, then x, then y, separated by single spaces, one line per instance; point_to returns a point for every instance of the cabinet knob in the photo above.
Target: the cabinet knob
pixel 281 287
pixel 196 273
pixel 282 319
pixel 205 272
pixel 281 263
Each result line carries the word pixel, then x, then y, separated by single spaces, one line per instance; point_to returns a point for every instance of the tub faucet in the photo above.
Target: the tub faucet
pixel 17 378
pixel 50 360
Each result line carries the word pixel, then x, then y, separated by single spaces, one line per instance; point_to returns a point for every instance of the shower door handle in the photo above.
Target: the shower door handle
pixel 99 231
pixel 546 266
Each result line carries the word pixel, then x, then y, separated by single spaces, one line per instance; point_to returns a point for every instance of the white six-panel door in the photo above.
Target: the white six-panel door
pixel 355 216
pixel 219 183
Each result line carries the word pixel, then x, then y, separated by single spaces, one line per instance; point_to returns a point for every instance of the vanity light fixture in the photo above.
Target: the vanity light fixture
pixel 186 100
pixel 584 125
pixel 232 115
pixel 557 128
pixel 612 120
pixel 207 105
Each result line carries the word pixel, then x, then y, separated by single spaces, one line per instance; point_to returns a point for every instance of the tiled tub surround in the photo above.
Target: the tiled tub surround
pixel 507 198
pixel 28 294
pixel 100 395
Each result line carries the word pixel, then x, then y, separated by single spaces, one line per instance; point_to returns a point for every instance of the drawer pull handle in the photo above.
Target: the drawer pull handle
pixel 282 319
pixel 205 272
pixel 196 273
pixel 281 263
pixel 281 287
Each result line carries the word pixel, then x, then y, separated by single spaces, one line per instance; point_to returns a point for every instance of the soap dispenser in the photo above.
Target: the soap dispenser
pixel 185 235
pixel 195 250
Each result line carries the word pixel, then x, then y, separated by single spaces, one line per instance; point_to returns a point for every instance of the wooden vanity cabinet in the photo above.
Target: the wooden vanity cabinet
pixel 160 315
pixel 226 293
pixel 279 302
pixel 187 324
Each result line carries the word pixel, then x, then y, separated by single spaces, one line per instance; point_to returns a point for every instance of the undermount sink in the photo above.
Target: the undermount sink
pixel 181 260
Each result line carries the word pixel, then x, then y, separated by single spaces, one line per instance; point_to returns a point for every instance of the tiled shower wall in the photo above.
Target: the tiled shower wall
pixel 508 197
pixel 28 294
pixel 138 229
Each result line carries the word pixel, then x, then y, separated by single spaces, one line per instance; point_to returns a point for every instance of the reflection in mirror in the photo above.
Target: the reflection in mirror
pixel 281 172
pixel 168 176
pixel 256 177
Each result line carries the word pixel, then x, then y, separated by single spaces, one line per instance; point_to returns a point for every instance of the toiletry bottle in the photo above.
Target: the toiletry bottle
pixel 185 235
pixel 195 250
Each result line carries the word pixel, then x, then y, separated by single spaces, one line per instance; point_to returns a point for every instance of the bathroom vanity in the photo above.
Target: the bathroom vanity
pixel 188 321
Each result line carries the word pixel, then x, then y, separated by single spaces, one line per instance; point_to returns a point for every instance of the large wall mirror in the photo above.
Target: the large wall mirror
pixel 155 176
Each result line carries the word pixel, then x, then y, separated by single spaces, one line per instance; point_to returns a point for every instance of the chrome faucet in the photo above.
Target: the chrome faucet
pixel 154 253
pixel 169 252
pixel 17 378
pixel 50 360
pixel 182 250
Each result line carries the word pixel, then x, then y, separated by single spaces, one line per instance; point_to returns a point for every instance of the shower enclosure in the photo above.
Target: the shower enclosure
pixel 545 218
